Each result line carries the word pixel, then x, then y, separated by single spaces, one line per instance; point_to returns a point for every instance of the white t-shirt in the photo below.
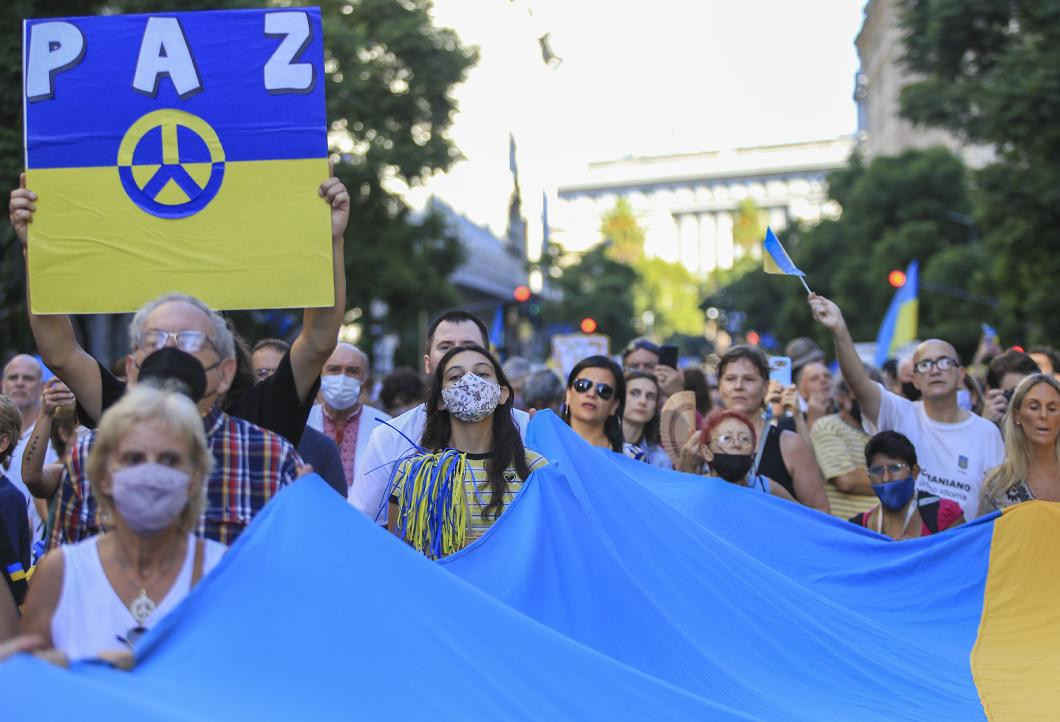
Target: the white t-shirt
pixel 385 448
pixel 953 458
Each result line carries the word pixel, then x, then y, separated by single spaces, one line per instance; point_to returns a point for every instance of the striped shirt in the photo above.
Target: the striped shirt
pixel 250 466
pixel 477 489
pixel 840 449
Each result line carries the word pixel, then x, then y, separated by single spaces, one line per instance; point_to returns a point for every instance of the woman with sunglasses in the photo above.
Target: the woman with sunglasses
pixel 903 512
pixel 595 402
pixel 471 460
pixel 640 420
pixel 727 444
pixel 94 599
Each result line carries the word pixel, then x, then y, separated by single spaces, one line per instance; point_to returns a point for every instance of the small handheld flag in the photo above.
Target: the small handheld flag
pixel 776 259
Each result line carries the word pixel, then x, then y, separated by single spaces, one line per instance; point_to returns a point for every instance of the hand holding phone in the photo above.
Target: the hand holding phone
pixel 780 370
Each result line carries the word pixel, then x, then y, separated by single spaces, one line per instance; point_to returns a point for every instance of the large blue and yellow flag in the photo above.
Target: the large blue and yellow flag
pixel 608 590
pixel 177 152
pixel 900 322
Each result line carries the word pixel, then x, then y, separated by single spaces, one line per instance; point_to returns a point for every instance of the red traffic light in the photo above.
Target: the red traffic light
pixel 588 325
pixel 896 278
pixel 753 338
pixel 521 293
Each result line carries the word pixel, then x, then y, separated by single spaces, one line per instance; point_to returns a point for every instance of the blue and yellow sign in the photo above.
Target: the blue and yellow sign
pixel 177 152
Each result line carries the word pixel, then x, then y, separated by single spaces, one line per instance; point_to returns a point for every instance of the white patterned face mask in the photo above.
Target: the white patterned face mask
pixel 472 398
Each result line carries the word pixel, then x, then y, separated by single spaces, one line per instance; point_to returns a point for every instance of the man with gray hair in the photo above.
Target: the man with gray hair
pixel 280 403
pixel 23 384
pixel 343 417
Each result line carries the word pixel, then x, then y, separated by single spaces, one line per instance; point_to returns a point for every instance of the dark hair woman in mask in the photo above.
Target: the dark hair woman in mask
pixel 471 460
pixel 903 512
pixel 727 443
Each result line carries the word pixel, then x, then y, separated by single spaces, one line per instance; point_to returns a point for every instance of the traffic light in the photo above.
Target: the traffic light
pixel 521 294
pixel 896 278
pixel 588 325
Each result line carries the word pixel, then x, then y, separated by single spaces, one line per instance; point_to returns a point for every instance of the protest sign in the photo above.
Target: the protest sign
pixel 177 152
pixel 570 348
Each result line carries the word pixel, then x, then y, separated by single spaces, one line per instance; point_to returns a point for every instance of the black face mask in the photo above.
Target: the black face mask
pixel 909 391
pixel 732 467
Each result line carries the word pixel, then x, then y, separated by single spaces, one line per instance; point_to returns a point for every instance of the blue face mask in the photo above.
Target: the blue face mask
pixel 895 494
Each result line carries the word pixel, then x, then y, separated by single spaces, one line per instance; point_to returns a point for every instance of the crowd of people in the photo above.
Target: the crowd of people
pixel 125 482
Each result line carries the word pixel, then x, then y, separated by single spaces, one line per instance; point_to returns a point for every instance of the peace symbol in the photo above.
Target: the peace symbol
pixel 171 163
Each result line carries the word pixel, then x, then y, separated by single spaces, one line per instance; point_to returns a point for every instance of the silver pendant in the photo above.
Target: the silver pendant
pixel 142 607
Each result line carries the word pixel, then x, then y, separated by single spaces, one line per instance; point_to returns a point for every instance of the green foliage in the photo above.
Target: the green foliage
pixel 625 237
pixel 991 74
pixel 895 210
pixel 672 294
pixel 749 226
pixel 389 76
pixel 599 287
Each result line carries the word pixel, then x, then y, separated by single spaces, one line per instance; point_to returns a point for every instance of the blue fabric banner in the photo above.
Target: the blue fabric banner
pixel 609 590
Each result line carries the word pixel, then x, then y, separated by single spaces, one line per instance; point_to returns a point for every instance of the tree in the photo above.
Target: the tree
pixel 622 232
pixel 748 227
pixel 599 287
pixel 389 75
pixel 894 210
pixel 990 72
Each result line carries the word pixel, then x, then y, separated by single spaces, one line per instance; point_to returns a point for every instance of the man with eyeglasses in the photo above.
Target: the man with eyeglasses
pixel 643 355
pixel 281 403
pixel 956 448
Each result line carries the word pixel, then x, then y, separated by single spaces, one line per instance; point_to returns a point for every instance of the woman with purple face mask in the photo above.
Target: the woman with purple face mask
pixel 94 599
pixel 471 460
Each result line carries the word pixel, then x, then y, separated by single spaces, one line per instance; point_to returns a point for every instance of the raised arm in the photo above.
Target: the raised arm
pixel 54 334
pixel 864 389
pixel 320 326
pixel 42 480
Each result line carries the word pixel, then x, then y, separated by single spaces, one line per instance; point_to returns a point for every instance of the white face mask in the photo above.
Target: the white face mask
pixel 150 496
pixel 472 398
pixel 340 391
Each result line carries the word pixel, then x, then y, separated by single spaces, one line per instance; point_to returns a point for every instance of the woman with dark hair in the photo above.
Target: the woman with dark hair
pixel 595 402
pixel 640 420
pixel 903 512
pixel 1031 467
pixel 471 460
pixel 781 454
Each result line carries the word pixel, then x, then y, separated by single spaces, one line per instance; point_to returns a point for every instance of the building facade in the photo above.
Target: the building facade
pixel 688 203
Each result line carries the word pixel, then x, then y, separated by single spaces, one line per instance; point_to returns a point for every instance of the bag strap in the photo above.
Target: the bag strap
pixel 928 505
pixel 196 565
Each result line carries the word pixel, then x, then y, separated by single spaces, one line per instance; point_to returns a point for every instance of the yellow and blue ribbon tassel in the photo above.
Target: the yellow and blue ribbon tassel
pixel 432 504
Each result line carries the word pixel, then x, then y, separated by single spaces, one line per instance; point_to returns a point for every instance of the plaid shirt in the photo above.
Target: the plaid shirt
pixel 250 465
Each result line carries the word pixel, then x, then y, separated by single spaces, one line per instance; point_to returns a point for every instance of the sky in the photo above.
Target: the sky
pixel 638 78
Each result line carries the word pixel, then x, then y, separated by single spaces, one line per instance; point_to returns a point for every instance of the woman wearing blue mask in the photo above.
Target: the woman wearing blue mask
pixel 471 461
pixel 903 512
pixel 148 466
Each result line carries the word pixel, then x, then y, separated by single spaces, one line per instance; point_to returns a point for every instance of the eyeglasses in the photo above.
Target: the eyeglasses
pixel 734 441
pixel 188 341
pixel 604 391
pixel 944 363
pixel 892 469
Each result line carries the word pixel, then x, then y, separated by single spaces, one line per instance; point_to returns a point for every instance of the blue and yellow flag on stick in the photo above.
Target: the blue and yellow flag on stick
pixel 177 152
pixel 899 325
pixel 776 260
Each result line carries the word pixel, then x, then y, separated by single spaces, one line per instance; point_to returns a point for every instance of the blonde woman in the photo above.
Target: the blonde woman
pixel 1031 468
pixel 148 466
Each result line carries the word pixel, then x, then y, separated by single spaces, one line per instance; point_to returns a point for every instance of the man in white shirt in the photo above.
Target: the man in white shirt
pixel 954 446
pixel 386 446
pixel 23 384
pixel 343 417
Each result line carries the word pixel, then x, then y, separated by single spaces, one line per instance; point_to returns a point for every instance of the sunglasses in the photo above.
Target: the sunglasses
pixel 604 391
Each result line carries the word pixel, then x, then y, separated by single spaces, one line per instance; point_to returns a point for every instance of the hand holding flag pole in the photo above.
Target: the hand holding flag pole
pixel 776 259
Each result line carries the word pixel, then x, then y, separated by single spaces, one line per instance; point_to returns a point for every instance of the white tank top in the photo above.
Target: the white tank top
pixel 91 618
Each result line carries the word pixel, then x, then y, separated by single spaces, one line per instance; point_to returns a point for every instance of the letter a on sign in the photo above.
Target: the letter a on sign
pixel 164 161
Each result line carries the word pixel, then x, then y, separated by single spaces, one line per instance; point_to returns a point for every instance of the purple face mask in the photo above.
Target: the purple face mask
pixel 150 496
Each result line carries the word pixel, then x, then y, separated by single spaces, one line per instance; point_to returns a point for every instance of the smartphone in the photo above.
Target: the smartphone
pixel 668 356
pixel 780 370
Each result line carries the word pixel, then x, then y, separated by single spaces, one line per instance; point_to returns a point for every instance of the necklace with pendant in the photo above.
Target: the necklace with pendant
pixel 142 607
